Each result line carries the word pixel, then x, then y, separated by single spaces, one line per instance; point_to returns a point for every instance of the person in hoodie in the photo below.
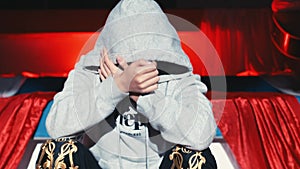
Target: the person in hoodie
pixel 136 97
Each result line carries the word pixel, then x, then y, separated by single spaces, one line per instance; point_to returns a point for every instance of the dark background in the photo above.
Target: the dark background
pixel 108 4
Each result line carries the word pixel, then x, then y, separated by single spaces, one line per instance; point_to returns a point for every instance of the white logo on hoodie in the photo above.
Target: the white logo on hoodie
pixel 129 124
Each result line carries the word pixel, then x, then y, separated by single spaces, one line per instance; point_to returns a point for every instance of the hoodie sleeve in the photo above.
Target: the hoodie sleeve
pixel 181 112
pixel 83 102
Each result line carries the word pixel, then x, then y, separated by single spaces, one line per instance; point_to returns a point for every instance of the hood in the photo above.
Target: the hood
pixel 139 29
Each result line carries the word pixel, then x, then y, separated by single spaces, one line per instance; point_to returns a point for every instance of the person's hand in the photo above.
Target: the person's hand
pixel 140 76
pixel 107 67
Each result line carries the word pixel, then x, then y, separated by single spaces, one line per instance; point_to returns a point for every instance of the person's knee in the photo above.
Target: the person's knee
pixel 65 153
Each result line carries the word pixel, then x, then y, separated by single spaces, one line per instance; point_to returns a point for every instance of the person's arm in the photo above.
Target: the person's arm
pixel 181 112
pixel 83 102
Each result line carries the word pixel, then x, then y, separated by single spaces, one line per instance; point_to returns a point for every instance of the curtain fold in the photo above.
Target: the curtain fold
pixel 19 116
pixel 262 129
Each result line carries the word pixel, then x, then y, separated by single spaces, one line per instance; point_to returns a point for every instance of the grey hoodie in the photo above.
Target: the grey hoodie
pixel 134 136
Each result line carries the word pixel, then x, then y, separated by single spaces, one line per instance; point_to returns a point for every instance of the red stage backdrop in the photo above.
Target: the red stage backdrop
pixel 241 37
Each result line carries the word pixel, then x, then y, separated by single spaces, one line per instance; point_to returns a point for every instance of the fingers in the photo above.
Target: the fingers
pixel 143 77
pixel 150 88
pixel 107 67
pixel 103 71
pixel 147 82
pixel 102 77
pixel 108 64
pixel 107 70
pixel 140 76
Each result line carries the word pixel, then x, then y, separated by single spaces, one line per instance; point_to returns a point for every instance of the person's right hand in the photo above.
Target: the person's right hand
pixel 140 76
pixel 107 67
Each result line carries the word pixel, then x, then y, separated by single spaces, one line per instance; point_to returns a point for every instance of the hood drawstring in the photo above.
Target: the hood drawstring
pixel 146 147
pixel 146 143
pixel 119 146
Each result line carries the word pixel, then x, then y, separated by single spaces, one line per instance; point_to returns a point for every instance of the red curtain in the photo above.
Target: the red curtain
pixel 262 129
pixel 19 117
pixel 243 38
